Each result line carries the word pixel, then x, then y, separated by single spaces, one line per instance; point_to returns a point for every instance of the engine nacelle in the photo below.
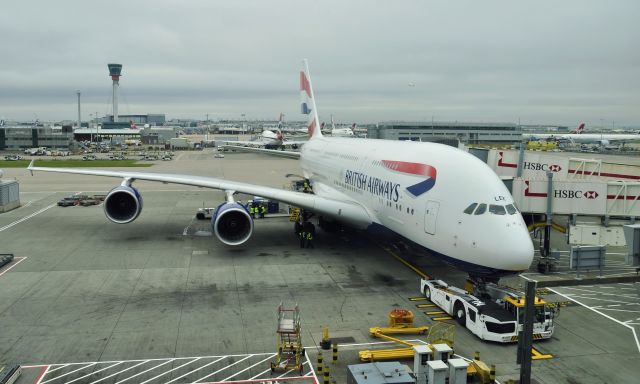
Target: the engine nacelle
pixel 123 204
pixel 232 224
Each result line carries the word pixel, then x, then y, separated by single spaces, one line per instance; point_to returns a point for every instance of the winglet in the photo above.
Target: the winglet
pixel 306 93
pixel 30 167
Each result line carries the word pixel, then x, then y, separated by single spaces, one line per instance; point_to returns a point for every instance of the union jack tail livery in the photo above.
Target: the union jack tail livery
pixel 308 105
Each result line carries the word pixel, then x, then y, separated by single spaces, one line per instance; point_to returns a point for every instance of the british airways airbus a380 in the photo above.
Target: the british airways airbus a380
pixel 436 196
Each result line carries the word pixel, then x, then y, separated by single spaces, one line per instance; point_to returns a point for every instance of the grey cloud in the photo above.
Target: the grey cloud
pixel 544 61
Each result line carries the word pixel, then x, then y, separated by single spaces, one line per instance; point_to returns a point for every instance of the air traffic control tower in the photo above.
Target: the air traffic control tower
pixel 115 70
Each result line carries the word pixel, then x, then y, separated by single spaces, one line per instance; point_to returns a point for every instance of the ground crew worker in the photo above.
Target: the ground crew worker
pixel 263 210
pixel 252 210
pixel 297 228
pixel 303 236
pixel 306 188
pixel 311 232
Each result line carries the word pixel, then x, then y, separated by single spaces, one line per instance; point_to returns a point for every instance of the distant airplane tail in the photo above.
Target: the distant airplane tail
pixel 579 130
pixel 132 125
pixel 281 120
pixel 279 134
pixel 308 105
pixel 353 128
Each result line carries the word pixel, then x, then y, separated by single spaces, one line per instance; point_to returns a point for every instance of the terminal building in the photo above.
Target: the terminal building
pixel 18 137
pixel 468 133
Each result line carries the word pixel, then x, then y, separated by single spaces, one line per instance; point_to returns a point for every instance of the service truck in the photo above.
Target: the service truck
pixel 493 315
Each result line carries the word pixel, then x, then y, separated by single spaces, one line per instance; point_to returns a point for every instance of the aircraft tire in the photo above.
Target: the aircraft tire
pixel 459 313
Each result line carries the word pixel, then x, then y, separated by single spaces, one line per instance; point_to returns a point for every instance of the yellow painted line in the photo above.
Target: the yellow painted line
pixel 425 305
pixel 441 318
pixel 536 355
pixel 435 313
pixel 406 263
pixel 417 298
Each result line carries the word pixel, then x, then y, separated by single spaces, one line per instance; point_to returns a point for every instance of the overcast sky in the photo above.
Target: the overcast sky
pixel 542 62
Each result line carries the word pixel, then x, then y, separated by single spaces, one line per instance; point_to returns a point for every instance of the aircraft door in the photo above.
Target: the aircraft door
pixel 431 216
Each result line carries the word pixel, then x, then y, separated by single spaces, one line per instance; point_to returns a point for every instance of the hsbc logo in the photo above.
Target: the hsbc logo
pixel 554 168
pixel 590 195
pixel 571 194
pixel 541 167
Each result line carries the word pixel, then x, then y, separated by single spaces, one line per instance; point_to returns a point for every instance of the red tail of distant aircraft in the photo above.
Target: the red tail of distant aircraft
pixel 578 130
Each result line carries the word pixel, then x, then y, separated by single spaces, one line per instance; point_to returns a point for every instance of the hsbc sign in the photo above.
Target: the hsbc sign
pixel 541 167
pixel 574 194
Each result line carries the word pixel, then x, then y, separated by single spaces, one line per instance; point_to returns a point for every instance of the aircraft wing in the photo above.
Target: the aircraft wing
pixel 275 152
pixel 349 211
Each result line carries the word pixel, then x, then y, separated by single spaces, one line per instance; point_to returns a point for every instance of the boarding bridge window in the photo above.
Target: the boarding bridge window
pixel 482 208
pixel 470 208
pixel 511 209
pixel 497 209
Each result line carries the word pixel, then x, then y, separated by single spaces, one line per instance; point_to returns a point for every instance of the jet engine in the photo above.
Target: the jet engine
pixel 123 204
pixel 232 224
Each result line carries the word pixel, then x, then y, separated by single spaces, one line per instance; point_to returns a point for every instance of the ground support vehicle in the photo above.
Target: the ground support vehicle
pixel 494 314
pixel 290 350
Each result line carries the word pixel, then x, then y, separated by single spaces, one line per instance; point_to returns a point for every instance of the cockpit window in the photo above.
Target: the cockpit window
pixel 497 209
pixel 482 208
pixel 470 208
pixel 511 209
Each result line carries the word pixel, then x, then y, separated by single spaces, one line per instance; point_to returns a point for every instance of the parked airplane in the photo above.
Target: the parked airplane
pixel 341 132
pixel 438 197
pixel 578 136
pixel 270 139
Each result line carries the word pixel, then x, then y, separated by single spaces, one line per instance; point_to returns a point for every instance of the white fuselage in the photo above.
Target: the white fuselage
pixel 358 170
pixel 270 138
pixel 341 132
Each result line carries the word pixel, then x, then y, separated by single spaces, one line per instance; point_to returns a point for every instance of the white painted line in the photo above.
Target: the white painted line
pixel 26 217
pixel 313 371
pixel 145 371
pixel 119 372
pixel 593 298
pixel 60 367
pixel 164 373
pixel 195 370
pixel 42 375
pixel 15 262
pixel 159 359
pixel 635 336
pixel 68 373
pixel 92 373
pixel 618 310
pixel 248 368
pixel 284 374
pixel 222 369
pixel 260 374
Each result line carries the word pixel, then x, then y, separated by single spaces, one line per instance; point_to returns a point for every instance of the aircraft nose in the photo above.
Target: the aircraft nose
pixel 518 250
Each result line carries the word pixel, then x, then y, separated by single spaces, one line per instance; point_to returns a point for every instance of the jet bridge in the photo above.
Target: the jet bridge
pixel 563 165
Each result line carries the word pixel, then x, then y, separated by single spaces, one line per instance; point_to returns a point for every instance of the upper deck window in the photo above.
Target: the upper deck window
pixel 497 209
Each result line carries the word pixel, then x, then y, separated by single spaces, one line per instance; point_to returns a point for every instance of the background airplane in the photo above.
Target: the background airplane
pixel 578 136
pixel 439 198
pixel 269 139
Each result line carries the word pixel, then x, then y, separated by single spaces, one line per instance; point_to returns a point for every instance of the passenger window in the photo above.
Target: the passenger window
pixel 482 208
pixel 470 208
pixel 511 209
pixel 472 315
pixel 497 209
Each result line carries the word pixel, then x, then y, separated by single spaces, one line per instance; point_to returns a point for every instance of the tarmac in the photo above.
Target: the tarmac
pixel 160 300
